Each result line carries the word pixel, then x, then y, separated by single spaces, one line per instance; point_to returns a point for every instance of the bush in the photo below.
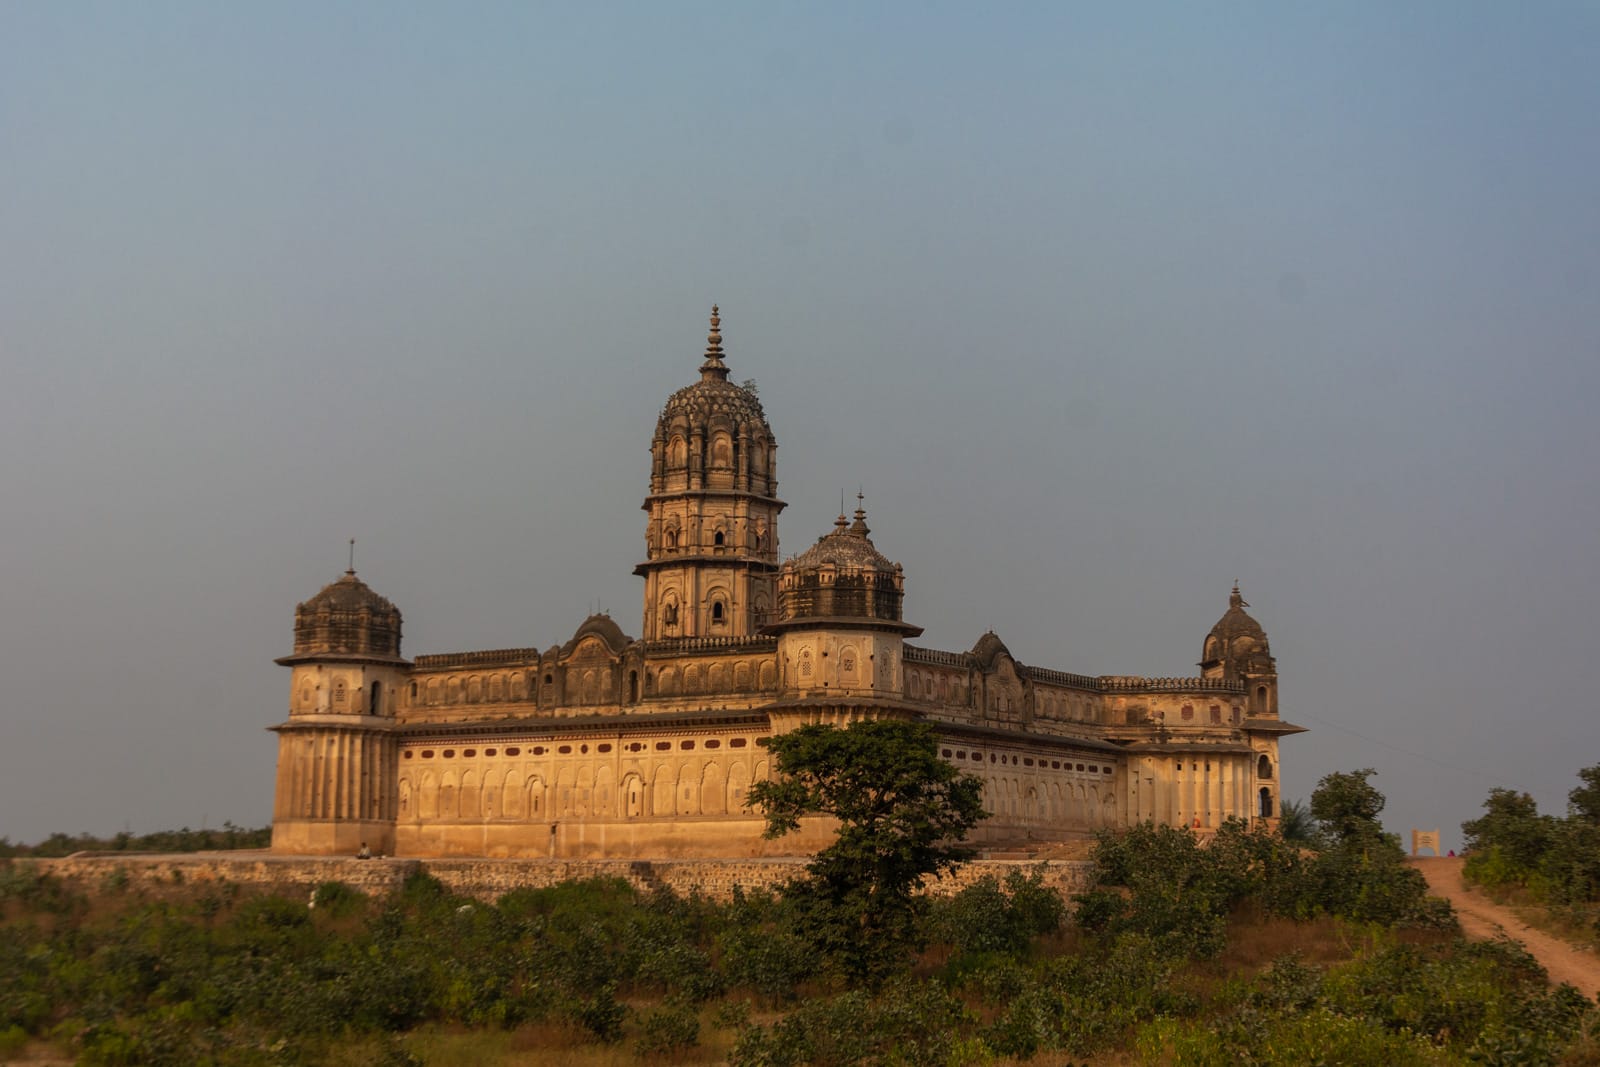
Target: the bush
pixel 671 1028
pixel 984 917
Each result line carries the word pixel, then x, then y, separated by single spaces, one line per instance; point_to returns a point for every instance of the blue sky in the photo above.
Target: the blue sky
pixel 1104 307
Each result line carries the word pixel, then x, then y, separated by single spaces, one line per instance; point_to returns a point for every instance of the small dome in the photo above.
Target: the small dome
pixel 347 619
pixel 847 547
pixel 605 628
pixel 843 576
pixel 1237 640
pixel 349 593
pixel 988 649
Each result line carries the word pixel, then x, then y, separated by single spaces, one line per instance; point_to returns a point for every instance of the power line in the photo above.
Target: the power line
pixel 1499 779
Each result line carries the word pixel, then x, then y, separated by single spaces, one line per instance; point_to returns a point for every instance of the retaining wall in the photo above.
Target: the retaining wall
pixel 484 879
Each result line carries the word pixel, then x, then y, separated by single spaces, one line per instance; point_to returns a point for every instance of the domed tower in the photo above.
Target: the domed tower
pixel 711 542
pixel 840 630
pixel 337 751
pixel 1237 651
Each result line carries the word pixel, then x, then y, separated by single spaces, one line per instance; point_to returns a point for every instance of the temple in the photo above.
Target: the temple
pixel 608 745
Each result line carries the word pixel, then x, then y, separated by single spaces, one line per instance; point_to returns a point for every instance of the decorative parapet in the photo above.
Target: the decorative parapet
pixel 935 658
pixel 1129 684
pixel 690 645
pixel 1105 683
pixel 497 657
pixel 1071 681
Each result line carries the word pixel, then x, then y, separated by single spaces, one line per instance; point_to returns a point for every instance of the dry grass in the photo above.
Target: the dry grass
pixel 558 1045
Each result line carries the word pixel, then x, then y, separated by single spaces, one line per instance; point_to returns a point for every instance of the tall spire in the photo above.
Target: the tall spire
pixel 352 569
pixel 713 367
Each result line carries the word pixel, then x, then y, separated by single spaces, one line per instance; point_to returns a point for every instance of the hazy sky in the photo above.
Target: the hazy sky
pixel 1104 306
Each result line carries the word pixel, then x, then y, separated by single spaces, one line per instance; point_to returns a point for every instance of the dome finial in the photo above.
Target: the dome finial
pixel 352 569
pixel 859 527
pixel 713 367
pixel 1235 600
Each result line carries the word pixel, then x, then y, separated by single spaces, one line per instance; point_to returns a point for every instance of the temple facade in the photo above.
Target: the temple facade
pixel 614 746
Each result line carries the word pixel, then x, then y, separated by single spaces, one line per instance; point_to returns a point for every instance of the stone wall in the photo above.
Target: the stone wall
pixel 481 879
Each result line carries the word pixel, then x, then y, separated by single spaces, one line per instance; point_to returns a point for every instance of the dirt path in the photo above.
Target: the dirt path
pixel 1483 918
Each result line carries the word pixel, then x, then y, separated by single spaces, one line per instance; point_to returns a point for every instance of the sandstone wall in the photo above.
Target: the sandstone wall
pixel 482 879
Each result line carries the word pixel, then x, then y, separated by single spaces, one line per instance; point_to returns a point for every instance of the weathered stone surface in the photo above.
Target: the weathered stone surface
pixel 484 879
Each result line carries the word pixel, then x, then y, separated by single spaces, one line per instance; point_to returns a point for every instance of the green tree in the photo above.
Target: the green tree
pixel 1347 806
pixel 1512 824
pixel 902 813
pixel 1362 873
pixel 1584 801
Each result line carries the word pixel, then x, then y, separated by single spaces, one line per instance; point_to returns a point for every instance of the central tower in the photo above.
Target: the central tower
pixel 711 542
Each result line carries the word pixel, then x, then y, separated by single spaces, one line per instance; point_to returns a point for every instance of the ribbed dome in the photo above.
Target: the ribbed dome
pixel 847 547
pixel 843 576
pixel 1237 640
pixel 713 395
pixel 347 619
pixel 349 593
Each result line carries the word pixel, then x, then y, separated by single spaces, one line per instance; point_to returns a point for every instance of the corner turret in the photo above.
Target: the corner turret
pixel 336 752
pixel 839 626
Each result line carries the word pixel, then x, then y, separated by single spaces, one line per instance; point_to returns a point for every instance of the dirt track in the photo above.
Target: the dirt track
pixel 1483 918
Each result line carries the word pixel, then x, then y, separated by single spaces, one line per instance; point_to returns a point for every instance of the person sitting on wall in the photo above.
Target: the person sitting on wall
pixel 365 853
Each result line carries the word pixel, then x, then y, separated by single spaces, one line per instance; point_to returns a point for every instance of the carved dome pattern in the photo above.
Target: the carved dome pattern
pixel 843 575
pixel 713 397
pixel 347 618
pixel 845 548
pixel 1238 641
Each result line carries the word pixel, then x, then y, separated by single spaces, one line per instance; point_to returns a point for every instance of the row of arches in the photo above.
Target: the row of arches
pixel 695 679
pixel 725 538
pixel 687 788
pixel 722 452
pixel 940 687
pixel 1065 805
pixel 936 687
pixel 503 686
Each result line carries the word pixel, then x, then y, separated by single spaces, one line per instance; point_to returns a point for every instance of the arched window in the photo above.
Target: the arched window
pixel 1259 707
pixel 718 539
pixel 716 606
pixel 374 703
pixel 669 540
pixel 633 687
pixel 1266 802
pixel 1264 768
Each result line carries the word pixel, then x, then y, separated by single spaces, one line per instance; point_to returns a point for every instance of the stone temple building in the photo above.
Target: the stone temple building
pixel 608 745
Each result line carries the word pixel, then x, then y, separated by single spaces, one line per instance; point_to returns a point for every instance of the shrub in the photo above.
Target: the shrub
pixel 338 900
pixel 671 1028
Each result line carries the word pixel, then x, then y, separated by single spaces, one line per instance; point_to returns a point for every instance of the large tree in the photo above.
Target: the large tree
pixel 902 813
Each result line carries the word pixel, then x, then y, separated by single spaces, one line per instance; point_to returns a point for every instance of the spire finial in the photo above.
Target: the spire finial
pixel 1235 600
pixel 859 527
pixel 713 367
pixel 352 569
